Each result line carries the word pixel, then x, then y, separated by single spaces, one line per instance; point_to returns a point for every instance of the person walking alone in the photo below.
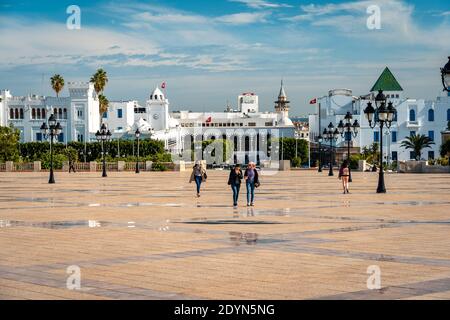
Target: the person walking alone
pixel 344 175
pixel 198 175
pixel 234 180
pixel 251 182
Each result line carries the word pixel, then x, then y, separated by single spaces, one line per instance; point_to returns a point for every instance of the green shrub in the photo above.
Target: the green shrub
pixel 58 160
pixel 159 167
pixel 296 162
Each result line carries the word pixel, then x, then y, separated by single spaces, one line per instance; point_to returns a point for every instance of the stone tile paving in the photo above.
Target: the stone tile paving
pixel 147 237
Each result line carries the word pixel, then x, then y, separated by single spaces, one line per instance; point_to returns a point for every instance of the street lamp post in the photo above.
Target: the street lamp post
pixel 103 135
pixel 52 130
pixel 445 75
pixel 383 116
pixel 331 134
pixel 349 131
pixel 137 134
pixel 320 139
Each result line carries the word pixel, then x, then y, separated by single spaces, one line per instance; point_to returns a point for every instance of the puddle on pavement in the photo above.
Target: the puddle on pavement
pixel 55 224
pixel 221 222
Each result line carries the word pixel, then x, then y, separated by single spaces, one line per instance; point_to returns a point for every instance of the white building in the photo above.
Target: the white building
pixel 78 114
pixel 246 126
pixel 414 116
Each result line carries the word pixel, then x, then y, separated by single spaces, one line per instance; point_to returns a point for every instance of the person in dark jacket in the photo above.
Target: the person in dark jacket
pixel 251 181
pixel 234 181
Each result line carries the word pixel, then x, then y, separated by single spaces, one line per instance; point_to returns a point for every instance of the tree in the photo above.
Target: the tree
pixel 417 143
pixel 288 146
pixel 103 104
pixel 372 153
pixel 445 149
pixel 99 79
pixel 57 83
pixel 9 141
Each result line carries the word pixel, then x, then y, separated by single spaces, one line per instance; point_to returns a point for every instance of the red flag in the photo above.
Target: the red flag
pixel 163 86
pixel 313 101
pixel 209 120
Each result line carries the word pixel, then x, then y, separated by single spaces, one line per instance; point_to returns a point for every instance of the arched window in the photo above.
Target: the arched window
pixel 16 113
pixel 38 113
pixel 55 112
pixel 65 113
pixel 247 143
pixel 431 115
pixel 11 113
pixel 21 113
pixel 235 143
pixel 43 113
pixel 156 97
pixel 448 115
pixel 60 112
pixel 412 115
pixel 33 113
pixel 161 97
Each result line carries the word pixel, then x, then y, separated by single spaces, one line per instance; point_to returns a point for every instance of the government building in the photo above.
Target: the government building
pixel 413 117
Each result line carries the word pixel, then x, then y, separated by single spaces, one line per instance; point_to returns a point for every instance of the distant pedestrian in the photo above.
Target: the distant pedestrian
pixel 251 182
pixel 344 175
pixel 198 175
pixel 234 181
pixel 72 166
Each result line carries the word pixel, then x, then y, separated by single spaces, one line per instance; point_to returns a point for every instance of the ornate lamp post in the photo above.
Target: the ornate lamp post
pixel 103 135
pixel 331 134
pixel 383 116
pixel 52 130
pixel 137 134
pixel 320 139
pixel 349 131
pixel 445 74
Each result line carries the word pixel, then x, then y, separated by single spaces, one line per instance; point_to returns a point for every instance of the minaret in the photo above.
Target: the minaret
pixel 282 104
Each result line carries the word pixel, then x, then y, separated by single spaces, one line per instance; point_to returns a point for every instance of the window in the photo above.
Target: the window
pixel 105 115
pixel 412 115
pixel 61 137
pixel 11 113
pixel 119 128
pixel 396 116
pixel 394 156
pixel 119 113
pixel 80 137
pixel 38 136
pixel 448 115
pixel 431 135
pixel 269 124
pixel 80 114
pixel 430 155
pixel 431 115
pixel 412 155
pixel 252 124
pixel 376 136
pixel 33 113
pixel 412 133
pixel 394 136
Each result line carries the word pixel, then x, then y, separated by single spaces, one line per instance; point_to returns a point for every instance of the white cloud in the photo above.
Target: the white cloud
pixel 260 4
pixel 242 18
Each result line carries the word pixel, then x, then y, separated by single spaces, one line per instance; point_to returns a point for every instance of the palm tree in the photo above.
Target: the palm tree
pixel 57 83
pixel 103 104
pixel 417 143
pixel 99 79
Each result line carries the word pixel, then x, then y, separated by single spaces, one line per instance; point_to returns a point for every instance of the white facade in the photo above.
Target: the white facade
pixel 78 114
pixel 120 117
pixel 414 116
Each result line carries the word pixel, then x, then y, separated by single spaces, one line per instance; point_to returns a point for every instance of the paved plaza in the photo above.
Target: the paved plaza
pixel 147 237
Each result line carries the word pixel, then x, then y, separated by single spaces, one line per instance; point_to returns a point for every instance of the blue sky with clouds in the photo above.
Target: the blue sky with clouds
pixel 210 51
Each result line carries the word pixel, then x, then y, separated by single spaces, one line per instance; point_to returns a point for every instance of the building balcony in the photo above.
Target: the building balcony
pixel 412 124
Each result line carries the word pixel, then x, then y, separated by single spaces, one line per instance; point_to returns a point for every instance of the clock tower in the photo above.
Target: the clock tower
pixel 158 110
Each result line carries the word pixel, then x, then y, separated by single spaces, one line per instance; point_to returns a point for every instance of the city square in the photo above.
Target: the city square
pixel 149 237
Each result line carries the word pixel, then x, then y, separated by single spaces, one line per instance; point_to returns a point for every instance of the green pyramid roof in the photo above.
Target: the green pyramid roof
pixel 386 82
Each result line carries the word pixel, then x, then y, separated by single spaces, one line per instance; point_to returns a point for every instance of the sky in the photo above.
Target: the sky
pixel 209 52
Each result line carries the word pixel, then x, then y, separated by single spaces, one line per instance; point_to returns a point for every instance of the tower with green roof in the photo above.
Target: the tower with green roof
pixel 389 84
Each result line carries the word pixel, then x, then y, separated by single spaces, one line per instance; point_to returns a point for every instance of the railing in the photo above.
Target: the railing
pixel 2 167
pixel 82 166
pixel 23 166
pixel 131 166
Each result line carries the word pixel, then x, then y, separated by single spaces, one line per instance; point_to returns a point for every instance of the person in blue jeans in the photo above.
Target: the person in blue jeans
pixel 199 176
pixel 251 182
pixel 234 180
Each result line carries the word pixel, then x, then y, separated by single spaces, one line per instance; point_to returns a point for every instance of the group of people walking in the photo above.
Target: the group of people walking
pixel 250 177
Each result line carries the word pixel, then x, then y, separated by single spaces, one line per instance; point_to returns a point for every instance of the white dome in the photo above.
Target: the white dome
pixel 157 95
